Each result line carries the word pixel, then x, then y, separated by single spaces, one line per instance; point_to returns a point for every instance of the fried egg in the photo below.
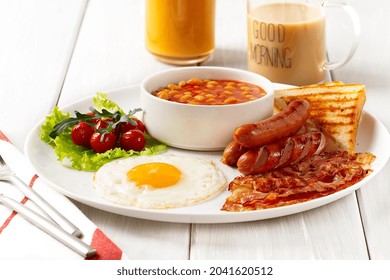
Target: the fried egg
pixel 159 182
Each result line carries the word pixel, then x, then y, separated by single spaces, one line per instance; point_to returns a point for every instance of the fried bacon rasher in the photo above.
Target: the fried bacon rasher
pixel 318 176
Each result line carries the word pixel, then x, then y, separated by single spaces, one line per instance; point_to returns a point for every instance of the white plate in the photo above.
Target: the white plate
pixel 372 137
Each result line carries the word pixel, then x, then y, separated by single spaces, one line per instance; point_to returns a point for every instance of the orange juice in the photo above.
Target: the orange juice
pixel 180 32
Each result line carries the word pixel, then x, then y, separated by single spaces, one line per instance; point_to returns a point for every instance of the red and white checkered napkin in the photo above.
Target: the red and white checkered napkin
pixel 19 239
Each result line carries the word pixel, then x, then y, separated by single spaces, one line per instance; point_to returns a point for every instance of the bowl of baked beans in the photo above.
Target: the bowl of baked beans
pixel 198 108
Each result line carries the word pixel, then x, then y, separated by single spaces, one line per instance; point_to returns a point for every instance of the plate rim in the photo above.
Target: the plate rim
pixel 170 215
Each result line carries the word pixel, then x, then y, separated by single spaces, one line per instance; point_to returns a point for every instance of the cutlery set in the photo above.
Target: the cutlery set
pixel 56 225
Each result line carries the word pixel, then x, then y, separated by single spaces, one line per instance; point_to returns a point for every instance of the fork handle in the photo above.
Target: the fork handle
pixel 45 206
pixel 50 228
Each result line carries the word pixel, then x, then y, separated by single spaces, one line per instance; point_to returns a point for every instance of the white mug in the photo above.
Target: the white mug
pixel 286 40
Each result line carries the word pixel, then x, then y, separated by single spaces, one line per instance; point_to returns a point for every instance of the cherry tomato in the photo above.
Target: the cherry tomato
pixel 103 142
pixel 94 120
pixel 102 124
pixel 126 126
pixel 81 134
pixel 132 140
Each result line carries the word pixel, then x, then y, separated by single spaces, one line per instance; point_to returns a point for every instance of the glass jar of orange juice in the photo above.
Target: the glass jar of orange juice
pixel 180 32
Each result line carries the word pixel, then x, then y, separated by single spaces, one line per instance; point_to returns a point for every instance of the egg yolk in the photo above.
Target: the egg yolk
pixel 155 174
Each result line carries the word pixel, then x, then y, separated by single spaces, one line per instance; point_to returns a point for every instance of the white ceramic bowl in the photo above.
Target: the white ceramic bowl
pixel 201 127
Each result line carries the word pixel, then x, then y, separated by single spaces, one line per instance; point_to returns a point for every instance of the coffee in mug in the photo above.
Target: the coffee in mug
pixel 286 41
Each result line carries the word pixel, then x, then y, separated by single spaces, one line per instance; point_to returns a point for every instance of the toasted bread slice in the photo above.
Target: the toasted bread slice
pixel 335 107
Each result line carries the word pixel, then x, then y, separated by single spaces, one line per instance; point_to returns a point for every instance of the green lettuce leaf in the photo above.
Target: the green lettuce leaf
pixel 101 101
pixel 51 120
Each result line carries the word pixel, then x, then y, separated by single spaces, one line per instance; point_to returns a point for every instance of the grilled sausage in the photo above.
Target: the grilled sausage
pixel 282 153
pixel 232 153
pixel 233 150
pixel 281 125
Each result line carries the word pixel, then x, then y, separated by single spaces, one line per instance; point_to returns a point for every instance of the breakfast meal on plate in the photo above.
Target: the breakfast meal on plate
pixel 313 156
pixel 159 182
pixel 305 150
pixel 88 140
pixel 210 92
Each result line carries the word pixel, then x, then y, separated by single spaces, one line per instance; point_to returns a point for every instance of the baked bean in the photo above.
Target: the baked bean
pixel 210 92
pixel 185 98
pixel 230 100
pixel 199 97
pixel 194 81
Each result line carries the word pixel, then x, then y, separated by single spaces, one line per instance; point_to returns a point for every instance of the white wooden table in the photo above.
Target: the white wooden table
pixel 57 51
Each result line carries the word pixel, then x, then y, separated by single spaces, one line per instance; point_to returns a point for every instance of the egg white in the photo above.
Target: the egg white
pixel 200 180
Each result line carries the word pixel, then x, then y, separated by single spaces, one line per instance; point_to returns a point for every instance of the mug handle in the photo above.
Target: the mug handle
pixel 356 27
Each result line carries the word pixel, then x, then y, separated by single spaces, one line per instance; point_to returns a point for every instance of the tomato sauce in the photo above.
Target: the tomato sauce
pixel 210 92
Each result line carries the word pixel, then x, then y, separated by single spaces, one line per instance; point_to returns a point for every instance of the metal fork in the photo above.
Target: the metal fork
pixel 49 227
pixel 6 174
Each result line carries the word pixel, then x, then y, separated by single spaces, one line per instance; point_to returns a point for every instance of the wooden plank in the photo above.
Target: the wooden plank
pixel 37 39
pixel 328 232
pixel 375 212
pixel 140 239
